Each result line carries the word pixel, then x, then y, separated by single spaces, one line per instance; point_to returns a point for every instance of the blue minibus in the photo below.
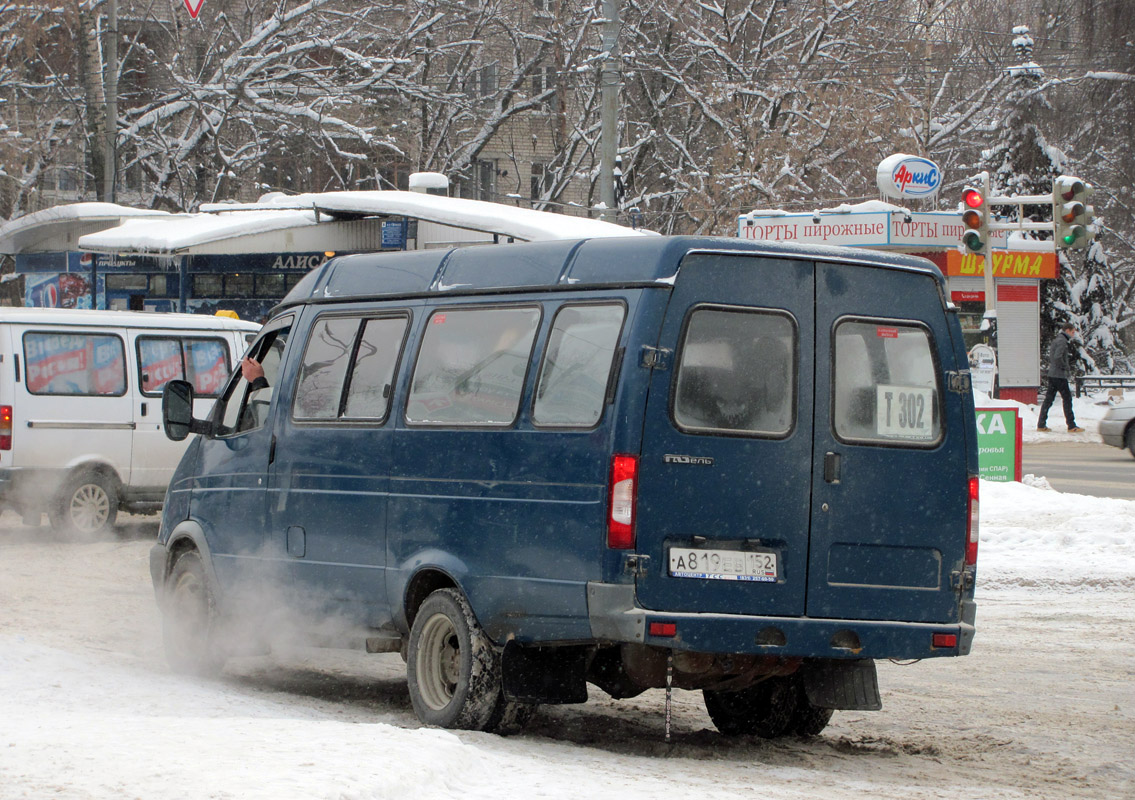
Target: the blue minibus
pixel 743 468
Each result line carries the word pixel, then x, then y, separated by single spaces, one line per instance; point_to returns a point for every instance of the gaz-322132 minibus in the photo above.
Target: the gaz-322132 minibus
pixel 742 468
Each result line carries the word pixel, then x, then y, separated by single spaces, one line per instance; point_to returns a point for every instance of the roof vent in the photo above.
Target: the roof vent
pixel 429 183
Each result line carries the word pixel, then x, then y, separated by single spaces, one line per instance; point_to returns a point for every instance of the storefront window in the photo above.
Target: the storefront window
pixel 208 285
pixel 239 285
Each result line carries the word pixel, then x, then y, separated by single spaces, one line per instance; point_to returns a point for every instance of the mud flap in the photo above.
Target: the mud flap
pixel 845 685
pixel 549 675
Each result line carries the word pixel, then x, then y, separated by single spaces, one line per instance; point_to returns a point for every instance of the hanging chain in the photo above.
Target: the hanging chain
pixel 669 689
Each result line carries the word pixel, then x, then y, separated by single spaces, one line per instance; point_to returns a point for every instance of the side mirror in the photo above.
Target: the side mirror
pixel 177 409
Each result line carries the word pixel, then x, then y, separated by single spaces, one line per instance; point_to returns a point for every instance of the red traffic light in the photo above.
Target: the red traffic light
pixel 973 198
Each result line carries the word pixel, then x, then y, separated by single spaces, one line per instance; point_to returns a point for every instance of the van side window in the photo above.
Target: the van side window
pixel 91 364
pixel 324 368
pixel 736 372
pixel 245 407
pixel 348 368
pixel 472 365
pixel 372 374
pixel 577 365
pixel 203 362
pixel 885 383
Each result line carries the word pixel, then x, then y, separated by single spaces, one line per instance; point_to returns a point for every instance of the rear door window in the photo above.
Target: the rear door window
pixel 577 365
pixel 75 364
pixel 885 386
pixel 736 372
pixel 472 365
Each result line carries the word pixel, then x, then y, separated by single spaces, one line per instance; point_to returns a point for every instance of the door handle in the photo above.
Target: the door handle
pixel 143 409
pixel 831 467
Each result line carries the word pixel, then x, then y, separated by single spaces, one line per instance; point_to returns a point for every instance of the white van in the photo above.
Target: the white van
pixel 80 406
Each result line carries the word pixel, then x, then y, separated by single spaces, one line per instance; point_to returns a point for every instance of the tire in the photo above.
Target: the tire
pixel 510 717
pixel 453 670
pixel 765 709
pixel 189 619
pixel 807 719
pixel 1131 440
pixel 86 507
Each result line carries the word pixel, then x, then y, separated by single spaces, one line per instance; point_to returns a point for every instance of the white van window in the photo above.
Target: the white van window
pixel 207 365
pixel 159 362
pixel 75 364
pixel 471 366
pixel 885 383
pixel 736 373
pixel 203 362
pixel 577 365
pixel 368 394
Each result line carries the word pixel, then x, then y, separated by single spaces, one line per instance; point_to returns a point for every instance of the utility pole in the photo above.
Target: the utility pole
pixel 609 113
pixel 111 157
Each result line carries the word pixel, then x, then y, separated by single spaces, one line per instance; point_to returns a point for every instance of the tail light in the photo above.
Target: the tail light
pixel 621 511
pixel 5 427
pixel 972 523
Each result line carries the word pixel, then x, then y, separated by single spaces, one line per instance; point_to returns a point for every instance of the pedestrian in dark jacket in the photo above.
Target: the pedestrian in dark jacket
pixel 1058 372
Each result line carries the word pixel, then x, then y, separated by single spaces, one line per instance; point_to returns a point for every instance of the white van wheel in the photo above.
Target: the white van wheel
pixel 189 616
pixel 86 507
pixel 453 670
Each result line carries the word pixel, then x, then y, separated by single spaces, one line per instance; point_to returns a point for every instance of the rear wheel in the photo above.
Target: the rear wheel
pixel 86 507
pixel 453 669
pixel 510 716
pixel 807 719
pixel 189 619
pixel 765 709
pixel 1131 440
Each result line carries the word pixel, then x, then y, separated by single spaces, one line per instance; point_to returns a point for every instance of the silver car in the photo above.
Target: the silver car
pixel 1118 426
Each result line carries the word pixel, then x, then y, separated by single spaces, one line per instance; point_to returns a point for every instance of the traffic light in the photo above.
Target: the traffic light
pixel 1070 214
pixel 975 218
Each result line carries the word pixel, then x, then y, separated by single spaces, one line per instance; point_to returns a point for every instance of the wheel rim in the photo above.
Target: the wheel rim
pixel 90 507
pixel 439 662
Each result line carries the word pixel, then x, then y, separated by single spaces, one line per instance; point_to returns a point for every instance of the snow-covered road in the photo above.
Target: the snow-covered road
pixel 1043 708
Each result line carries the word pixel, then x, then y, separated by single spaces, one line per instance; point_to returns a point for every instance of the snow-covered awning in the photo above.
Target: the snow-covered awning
pixel 181 233
pixel 477 215
pixel 54 228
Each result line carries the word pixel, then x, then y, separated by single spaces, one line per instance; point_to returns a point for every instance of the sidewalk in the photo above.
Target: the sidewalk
pixel 1089 411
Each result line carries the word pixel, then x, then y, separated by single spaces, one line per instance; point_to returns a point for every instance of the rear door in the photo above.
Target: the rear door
pixel 889 503
pixel 725 470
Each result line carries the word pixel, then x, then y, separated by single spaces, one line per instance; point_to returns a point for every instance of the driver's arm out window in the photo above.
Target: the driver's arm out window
pixel 247 410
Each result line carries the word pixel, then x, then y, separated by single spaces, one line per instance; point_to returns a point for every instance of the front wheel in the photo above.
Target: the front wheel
pixel 189 619
pixel 453 670
pixel 86 507
pixel 1131 440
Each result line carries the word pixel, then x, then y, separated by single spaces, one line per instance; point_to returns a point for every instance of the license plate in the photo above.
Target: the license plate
pixel 722 565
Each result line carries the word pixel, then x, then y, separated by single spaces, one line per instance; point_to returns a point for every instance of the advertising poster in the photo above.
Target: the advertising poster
pixel 999 444
pixel 58 290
